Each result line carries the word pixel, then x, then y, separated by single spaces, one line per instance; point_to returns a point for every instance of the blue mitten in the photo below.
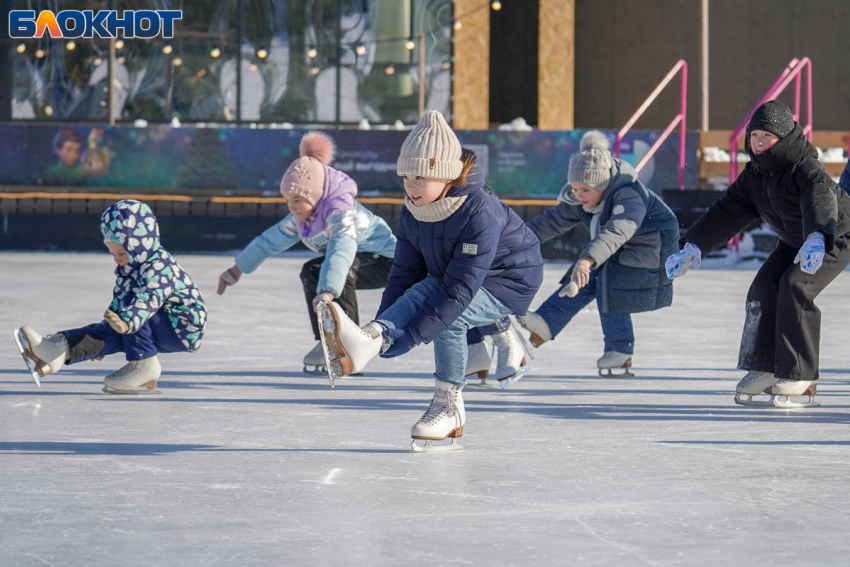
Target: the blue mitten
pixel 810 256
pixel 677 264
pixel 403 342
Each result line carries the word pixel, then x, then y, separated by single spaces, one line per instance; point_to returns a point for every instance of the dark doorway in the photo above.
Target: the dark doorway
pixel 513 61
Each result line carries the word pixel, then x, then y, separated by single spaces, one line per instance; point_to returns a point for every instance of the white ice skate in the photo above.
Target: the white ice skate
pixel 444 419
pixel 511 365
pixel 135 373
pixel 347 347
pixel 314 361
pixel 42 355
pixel 540 332
pixel 784 390
pixel 612 360
pixel 517 326
pixel 478 359
pixel 753 384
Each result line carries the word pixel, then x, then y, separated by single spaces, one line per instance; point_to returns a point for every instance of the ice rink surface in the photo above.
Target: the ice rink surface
pixel 244 460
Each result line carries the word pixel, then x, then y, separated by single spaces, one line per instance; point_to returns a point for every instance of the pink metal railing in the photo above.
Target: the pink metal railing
pixel 794 70
pixel 679 118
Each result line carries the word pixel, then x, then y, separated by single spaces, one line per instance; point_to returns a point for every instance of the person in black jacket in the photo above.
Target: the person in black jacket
pixel 785 186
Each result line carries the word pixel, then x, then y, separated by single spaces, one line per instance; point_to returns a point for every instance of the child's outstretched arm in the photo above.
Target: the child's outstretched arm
pixel 134 309
pixel 465 272
pixel 554 222
pixel 408 268
pixel 627 214
pixel 818 202
pixel 730 214
pixel 279 237
pixel 844 180
pixel 339 255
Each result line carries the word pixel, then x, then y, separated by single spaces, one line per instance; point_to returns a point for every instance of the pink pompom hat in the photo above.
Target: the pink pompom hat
pixel 306 176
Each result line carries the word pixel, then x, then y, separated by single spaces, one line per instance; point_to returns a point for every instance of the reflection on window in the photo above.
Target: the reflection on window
pixel 283 64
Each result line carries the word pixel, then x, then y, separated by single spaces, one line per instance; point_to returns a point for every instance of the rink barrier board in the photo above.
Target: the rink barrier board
pixel 52 221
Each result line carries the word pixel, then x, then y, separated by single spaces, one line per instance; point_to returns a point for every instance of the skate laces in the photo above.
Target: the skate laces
pixel 436 410
pixel 753 376
pixel 126 369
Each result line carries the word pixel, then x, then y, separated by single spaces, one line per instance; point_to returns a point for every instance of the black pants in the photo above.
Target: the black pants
pixel 782 327
pixel 368 271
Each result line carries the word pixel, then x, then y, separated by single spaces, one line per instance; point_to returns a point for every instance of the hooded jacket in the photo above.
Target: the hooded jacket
pixel 478 243
pixel 152 280
pixel 787 188
pixel 347 229
pixel 632 233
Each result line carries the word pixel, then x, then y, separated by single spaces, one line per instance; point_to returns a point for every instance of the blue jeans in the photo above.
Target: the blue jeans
pixel 476 334
pixel 450 345
pixel 616 327
pixel 156 335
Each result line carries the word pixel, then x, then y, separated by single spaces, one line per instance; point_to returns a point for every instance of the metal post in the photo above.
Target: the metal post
pixel 338 62
pixel 704 66
pixel 169 85
pixel 239 32
pixel 110 79
pixel 421 39
pixel 7 63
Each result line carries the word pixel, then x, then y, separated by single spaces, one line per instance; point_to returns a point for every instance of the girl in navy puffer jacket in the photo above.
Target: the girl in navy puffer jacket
pixel 463 259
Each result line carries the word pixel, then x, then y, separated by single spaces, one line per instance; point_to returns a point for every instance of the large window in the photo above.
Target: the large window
pixel 246 61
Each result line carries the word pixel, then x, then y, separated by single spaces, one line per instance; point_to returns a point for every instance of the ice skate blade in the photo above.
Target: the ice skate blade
pixel 322 371
pixel 27 360
pixel 145 392
pixel 609 373
pixel 513 379
pixel 428 446
pixel 787 402
pixel 747 400
pixel 323 307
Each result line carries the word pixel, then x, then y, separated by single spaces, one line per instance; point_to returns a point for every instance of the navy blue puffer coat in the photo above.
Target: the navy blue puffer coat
pixel 482 244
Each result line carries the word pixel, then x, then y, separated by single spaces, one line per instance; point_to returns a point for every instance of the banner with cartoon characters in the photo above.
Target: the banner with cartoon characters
pixel 252 160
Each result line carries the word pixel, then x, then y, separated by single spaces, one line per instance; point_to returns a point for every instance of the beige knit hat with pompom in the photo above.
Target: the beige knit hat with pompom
pixel 592 164
pixel 305 177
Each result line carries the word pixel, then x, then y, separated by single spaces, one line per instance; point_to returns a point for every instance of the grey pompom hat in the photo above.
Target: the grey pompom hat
pixel 592 164
pixel 431 150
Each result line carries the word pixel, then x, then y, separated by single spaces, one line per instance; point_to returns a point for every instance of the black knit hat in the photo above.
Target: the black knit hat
pixel 774 117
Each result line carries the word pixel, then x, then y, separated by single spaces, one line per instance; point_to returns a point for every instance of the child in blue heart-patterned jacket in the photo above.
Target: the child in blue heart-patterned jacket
pixel 156 308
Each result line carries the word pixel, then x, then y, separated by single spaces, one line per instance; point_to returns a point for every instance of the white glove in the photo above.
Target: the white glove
pixel 810 256
pixel 677 264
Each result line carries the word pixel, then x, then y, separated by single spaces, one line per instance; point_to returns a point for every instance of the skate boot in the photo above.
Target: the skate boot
pixel 784 390
pixel 314 361
pixel 135 373
pixel 538 326
pixel 753 384
pixel 42 355
pixel 478 359
pixel 511 365
pixel 612 360
pixel 349 348
pixel 444 419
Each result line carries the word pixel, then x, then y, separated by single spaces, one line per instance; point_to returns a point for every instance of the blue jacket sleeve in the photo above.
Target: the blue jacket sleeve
pixel 466 271
pixel 408 268
pixel 273 241
pixel 338 259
